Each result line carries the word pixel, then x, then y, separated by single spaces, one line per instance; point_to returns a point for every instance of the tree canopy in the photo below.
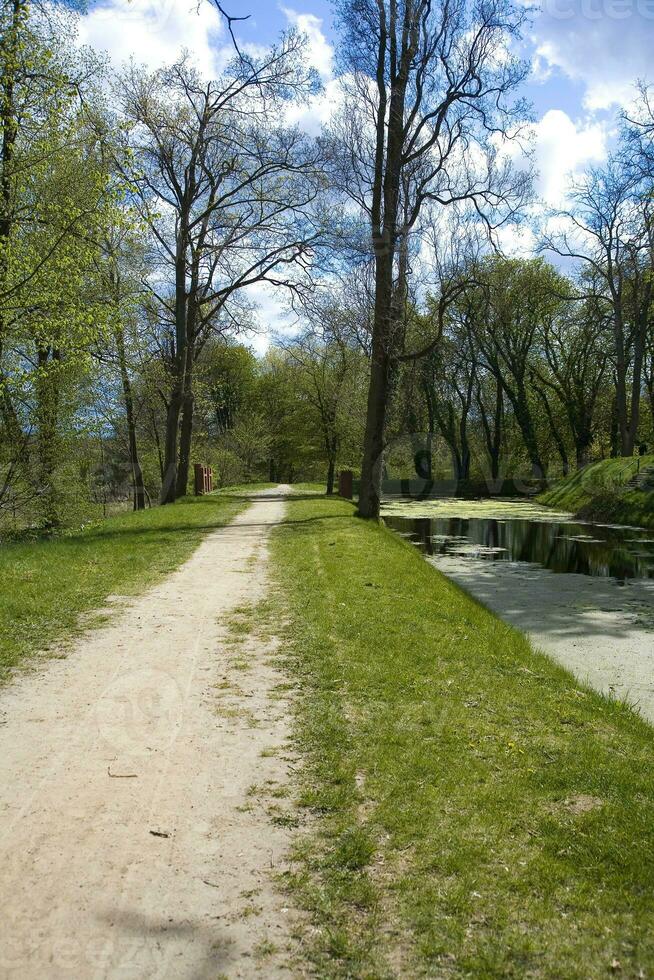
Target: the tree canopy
pixel 145 216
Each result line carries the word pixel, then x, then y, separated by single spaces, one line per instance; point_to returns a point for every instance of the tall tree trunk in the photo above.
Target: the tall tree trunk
pixel 429 453
pixel 423 461
pixel 373 444
pixel 139 484
pixel 137 473
pixel 636 383
pixel 384 219
pixel 495 442
pixel 615 429
pixel 331 441
pixel 526 425
pixel 582 451
pixel 554 429
pixel 179 368
pixel 460 463
pixel 9 130
pixel 648 374
pixel 621 399
pixel 154 428
pixel 188 404
pixel 185 442
pixel 169 483
pixel 331 471
pixel 378 391
pixel 583 429
pixel 622 423
pixel 465 463
pixel 463 431
pixel 493 430
pixel 47 415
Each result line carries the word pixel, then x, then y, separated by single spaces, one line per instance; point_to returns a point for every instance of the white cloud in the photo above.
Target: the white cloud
pixel 320 53
pixel 603 44
pixel 154 32
pixel 272 316
pixel 312 115
pixel 516 241
pixel 563 148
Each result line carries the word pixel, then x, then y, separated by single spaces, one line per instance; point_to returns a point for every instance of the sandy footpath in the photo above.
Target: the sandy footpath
pixel 602 631
pixel 133 844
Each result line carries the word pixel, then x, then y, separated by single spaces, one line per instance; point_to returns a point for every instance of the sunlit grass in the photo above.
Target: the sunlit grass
pixel 245 488
pixel 476 812
pixel 310 488
pixel 597 492
pixel 46 584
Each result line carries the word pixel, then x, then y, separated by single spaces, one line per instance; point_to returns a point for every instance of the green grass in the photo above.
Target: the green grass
pixel 475 811
pixel 597 492
pixel 245 488
pixel 48 583
pixel 311 488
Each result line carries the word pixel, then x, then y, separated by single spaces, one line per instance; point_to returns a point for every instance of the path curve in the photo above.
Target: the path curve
pixel 130 847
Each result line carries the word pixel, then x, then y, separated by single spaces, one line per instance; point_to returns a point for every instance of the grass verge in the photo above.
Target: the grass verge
pixel 244 488
pixel 598 492
pixel 48 583
pixel 477 812
pixel 310 488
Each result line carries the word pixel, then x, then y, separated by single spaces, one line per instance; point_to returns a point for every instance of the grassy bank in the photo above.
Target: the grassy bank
pixel 310 488
pixel 475 812
pixel 47 583
pixel 598 492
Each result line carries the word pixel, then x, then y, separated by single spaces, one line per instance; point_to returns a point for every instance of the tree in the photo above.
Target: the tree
pixel 489 399
pixel 449 380
pixel 55 201
pixel 649 370
pixel 517 300
pixel 290 439
pixel 41 90
pixel 609 229
pixel 326 370
pixel 227 192
pixel 574 369
pixel 427 96
pixel 121 267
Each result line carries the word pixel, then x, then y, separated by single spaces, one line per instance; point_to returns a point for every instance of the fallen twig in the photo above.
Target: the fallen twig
pixel 121 775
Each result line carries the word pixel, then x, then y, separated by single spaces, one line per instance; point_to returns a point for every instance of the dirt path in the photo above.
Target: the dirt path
pixel 600 630
pixel 133 844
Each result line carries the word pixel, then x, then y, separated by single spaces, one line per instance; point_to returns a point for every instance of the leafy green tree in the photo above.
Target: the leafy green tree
pixel 425 84
pixel 225 189
pixel 518 299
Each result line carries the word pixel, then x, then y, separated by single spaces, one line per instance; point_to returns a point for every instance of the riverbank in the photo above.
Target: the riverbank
pixel 480 812
pixel 619 491
pixel 599 628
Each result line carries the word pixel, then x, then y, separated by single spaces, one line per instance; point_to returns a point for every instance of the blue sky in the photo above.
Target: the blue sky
pixel 586 56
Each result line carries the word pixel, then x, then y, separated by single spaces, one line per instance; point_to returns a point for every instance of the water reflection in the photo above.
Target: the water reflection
pixel 588 549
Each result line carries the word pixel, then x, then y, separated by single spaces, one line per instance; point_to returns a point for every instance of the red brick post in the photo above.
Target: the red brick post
pixel 345 480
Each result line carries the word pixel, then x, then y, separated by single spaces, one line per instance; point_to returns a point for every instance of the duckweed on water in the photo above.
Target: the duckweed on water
pixel 497 510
